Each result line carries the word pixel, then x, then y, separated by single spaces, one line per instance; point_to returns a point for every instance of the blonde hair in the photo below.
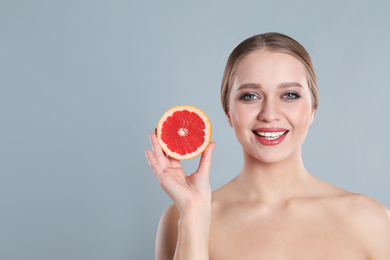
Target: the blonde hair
pixel 275 42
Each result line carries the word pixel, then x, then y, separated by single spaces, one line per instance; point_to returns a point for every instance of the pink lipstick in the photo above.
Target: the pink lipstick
pixel 270 136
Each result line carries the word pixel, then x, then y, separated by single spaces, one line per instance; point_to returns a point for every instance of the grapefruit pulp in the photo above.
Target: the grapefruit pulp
pixel 184 132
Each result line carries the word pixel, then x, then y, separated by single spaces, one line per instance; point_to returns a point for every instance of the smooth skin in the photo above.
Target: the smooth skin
pixel 273 209
pixel 184 227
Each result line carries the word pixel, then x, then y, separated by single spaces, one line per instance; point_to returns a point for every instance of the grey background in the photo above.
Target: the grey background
pixel 84 82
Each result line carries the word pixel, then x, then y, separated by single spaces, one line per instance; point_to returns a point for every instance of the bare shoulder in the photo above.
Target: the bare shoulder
pixel 166 238
pixel 223 197
pixel 365 209
pixel 371 220
pixel 354 206
pixel 369 210
pixel 361 210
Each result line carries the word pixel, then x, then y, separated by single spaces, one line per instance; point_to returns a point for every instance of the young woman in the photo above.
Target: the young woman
pixel 273 209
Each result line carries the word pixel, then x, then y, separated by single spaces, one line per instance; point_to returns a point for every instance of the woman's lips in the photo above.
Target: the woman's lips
pixel 270 136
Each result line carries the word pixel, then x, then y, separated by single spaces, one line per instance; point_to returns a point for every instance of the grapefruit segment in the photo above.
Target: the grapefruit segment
pixel 184 132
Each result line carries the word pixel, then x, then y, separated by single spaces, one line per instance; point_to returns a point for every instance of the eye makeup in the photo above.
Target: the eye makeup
pixel 248 97
pixel 291 95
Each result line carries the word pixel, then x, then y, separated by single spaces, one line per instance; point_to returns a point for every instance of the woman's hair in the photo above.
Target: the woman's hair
pixel 275 42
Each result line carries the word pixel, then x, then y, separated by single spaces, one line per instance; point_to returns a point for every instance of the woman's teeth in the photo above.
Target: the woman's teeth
pixel 271 135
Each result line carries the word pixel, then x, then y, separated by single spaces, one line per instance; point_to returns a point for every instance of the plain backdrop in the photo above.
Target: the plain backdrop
pixel 83 83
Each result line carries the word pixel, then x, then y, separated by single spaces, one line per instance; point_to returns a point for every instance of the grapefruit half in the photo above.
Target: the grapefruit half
pixel 184 132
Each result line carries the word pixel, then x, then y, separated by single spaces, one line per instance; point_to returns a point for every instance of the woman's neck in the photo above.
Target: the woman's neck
pixel 273 183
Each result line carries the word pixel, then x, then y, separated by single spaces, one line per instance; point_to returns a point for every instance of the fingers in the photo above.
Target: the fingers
pixel 158 152
pixel 174 163
pixel 205 160
pixel 155 144
pixel 158 160
pixel 161 155
pixel 154 165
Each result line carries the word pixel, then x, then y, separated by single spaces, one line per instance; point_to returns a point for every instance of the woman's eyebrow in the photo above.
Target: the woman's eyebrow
pixel 249 86
pixel 258 86
pixel 289 84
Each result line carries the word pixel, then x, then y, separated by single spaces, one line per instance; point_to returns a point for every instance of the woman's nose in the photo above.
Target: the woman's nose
pixel 269 111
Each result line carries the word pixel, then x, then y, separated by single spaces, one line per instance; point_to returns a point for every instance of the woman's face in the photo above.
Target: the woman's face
pixel 270 106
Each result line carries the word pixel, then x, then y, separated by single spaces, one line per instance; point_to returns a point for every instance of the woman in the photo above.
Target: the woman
pixel 273 209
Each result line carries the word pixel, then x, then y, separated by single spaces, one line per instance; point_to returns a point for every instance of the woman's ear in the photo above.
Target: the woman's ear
pixel 229 119
pixel 313 113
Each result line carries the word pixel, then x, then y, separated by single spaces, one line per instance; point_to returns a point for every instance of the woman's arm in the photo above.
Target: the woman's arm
pixel 182 236
pixel 183 231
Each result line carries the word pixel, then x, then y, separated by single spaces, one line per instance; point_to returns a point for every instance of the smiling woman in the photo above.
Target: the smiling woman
pixel 274 208
pixel 280 102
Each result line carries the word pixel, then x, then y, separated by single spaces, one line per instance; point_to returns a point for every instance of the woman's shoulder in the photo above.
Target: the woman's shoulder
pixel 372 219
pixel 368 212
pixel 363 204
pixel 359 206
pixel 369 220
pixel 223 197
pixel 356 207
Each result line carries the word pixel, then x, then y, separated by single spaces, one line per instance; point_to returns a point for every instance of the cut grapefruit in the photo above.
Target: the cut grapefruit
pixel 184 132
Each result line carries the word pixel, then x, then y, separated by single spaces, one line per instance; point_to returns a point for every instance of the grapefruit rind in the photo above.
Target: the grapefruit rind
pixel 207 132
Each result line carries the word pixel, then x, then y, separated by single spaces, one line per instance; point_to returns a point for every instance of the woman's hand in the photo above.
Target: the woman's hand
pixel 192 197
pixel 187 192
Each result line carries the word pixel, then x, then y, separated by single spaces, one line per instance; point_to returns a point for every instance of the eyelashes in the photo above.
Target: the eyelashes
pixel 251 96
pixel 291 95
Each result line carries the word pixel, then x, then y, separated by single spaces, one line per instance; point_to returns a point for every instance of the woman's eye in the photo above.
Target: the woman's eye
pixel 291 95
pixel 248 97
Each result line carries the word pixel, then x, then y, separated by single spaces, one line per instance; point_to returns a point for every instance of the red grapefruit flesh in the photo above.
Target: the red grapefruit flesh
pixel 184 132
